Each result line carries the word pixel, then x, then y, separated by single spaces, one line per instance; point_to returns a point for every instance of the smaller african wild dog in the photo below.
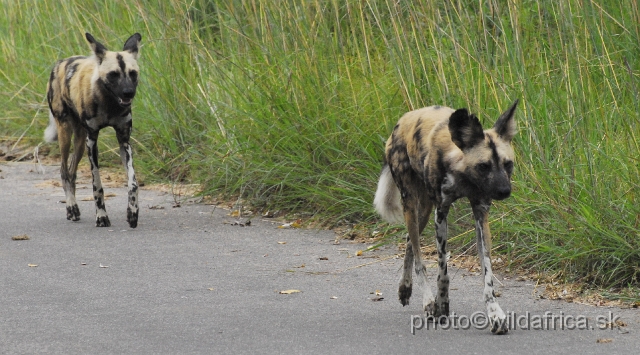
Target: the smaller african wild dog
pixel 86 94
pixel 435 156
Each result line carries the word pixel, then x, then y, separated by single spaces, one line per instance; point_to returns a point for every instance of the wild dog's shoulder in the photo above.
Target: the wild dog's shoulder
pixel 430 116
pixel 61 65
pixel 415 128
pixel 67 69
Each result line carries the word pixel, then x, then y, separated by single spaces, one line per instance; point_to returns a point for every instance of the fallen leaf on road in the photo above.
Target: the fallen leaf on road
pixel 288 292
pixel 359 253
pixel 618 323
pixel 604 340
pixel 32 265
pixel 282 242
pixel 20 237
pixel 156 207
pixel 296 224
pixel 324 258
pixel 334 297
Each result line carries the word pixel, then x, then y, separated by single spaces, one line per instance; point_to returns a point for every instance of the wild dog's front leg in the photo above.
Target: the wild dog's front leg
pixel 102 219
pixel 126 154
pixel 442 298
pixel 497 317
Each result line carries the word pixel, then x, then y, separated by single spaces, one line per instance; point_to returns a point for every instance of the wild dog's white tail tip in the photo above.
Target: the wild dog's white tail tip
pixel 388 202
pixel 51 133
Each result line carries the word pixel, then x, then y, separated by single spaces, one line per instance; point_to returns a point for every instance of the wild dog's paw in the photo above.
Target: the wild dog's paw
pixel 441 308
pixel 497 320
pixel 103 221
pixel 435 312
pixel 404 293
pixel 430 309
pixel 499 326
pixel 132 218
pixel 73 213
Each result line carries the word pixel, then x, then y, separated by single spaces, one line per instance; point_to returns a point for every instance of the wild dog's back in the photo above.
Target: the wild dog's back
pixel 412 137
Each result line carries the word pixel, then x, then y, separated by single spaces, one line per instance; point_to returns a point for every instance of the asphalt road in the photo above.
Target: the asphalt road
pixel 187 281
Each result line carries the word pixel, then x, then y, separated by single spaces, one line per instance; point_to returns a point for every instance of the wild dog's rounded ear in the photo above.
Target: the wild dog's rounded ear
pixel 98 49
pixel 505 126
pixel 466 130
pixel 132 44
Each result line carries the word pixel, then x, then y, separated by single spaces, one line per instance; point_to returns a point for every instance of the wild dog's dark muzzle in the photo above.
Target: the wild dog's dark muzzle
pixel 127 97
pixel 499 187
pixel 502 193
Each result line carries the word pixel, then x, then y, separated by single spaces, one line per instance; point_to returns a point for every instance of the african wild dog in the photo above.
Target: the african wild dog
pixel 435 156
pixel 86 94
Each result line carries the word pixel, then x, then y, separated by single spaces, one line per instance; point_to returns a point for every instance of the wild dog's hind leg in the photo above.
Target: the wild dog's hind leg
pixel 79 140
pixel 412 212
pixel 102 219
pixel 496 316
pixel 126 154
pixel 406 282
pixel 442 297
pixel 67 175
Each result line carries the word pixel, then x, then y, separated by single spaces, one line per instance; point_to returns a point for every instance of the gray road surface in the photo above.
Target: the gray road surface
pixel 188 282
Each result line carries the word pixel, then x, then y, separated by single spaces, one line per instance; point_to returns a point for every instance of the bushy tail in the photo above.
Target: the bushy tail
pixel 388 202
pixel 51 133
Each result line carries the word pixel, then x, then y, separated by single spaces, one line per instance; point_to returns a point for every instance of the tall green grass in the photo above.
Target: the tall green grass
pixel 288 103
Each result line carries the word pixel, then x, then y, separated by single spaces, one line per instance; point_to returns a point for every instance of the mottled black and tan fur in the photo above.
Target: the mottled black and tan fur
pixel 435 156
pixel 86 94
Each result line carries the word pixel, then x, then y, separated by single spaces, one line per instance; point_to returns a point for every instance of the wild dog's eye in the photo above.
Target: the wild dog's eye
pixel 113 76
pixel 484 167
pixel 508 166
pixel 133 75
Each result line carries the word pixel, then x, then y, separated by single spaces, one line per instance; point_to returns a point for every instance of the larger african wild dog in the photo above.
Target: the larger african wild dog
pixel 86 94
pixel 435 156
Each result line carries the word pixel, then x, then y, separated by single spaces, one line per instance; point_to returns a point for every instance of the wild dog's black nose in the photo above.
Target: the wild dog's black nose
pixel 502 192
pixel 128 93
